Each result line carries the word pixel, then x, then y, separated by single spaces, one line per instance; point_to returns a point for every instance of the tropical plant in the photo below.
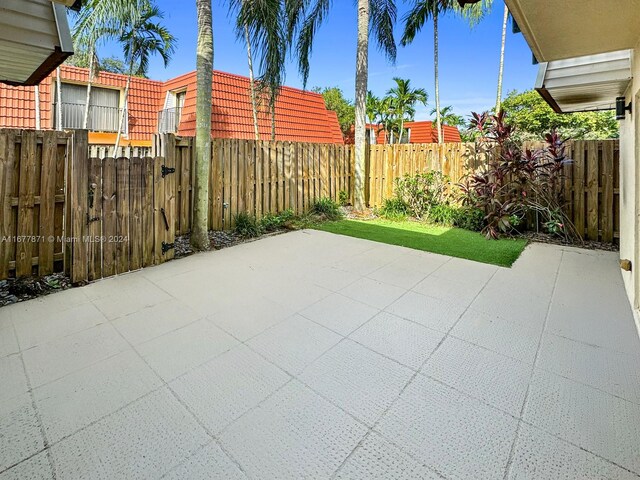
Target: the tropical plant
pixel 377 16
pixel 404 99
pixel 326 208
pixel 422 192
pixel 424 10
pixel 142 37
pixel 204 79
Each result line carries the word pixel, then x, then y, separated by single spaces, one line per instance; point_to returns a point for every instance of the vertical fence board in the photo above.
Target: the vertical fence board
pixel 148 214
pixel 110 218
pixel 122 216
pixel 592 190
pixel 79 203
pixel 578 187
pixel 47 203
pixel 26 199
pixel 607 192
pixel 160 227
pixel 136 236
pixel 95 219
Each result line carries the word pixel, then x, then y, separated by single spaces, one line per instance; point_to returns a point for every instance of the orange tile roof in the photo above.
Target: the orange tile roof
pixel 421 132
pixel 300 115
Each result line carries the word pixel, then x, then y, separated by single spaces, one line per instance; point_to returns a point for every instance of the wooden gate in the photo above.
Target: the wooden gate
pixel 123 215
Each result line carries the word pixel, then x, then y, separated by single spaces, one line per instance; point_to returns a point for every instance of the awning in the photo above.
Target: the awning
pixel 586 83
pixel 558 29
pixel 34 40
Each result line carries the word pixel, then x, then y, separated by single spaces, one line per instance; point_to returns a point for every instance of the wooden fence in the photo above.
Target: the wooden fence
pixel 65 210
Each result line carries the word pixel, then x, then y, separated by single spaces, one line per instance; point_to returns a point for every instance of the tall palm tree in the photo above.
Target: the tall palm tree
pixel 142 38
pixel 424 10
pixel 505 21
pixel 405 99
pixel 97 21
pixel 377 16
pixel 204 78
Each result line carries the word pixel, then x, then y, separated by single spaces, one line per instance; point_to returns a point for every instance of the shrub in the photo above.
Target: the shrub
pixel 394 209
pixel 326 208
pixel 247 226
pixel 272 221
pixel 444 214
pixel 343 198
pixel 421 192
pixel 470 218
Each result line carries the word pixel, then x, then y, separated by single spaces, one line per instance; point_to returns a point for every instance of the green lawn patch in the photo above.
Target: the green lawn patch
pixel 454 242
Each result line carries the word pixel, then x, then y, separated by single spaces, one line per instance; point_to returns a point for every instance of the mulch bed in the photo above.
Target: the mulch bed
pixel 553 240
pixel 14 291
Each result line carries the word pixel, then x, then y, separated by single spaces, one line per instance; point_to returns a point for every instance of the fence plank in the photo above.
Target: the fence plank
pixel 160 227
pixel 7 150
pixel 123 215
pixel 578 187
pixel 148 214
pixel 47 203
pixel 607 192
pixel 94 248
pixel 592 190
pixel 110 215
pixel 136 235
pixel 26 199
pixel 226 169
pixel 217 215
pixel 169 199
pixel 259 177
pixel 78 206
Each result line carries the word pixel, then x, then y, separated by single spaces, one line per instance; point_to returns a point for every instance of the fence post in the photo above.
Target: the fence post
pixel 77 208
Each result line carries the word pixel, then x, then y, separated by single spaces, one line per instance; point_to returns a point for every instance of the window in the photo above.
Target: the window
pixel 104 112
pixel 406 136
pixel 169 121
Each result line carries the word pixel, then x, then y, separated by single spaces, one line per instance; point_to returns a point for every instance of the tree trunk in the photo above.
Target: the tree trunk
pixel 204 66
pixel 36 93
pixel 254 101
pixel 58 100
pixel 85 120
pixel 401 130
pixel 124 111
pixel 437 77
pixel 362 73
pixel 501 72
pixel 273 122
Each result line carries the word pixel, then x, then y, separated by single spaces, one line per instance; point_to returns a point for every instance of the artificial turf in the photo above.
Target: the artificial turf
pixel 454 242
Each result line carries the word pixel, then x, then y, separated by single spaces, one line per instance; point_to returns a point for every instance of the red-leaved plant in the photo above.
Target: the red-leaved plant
pixel 515 182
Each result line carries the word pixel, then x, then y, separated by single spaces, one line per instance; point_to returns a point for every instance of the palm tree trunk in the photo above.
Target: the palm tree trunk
pixel 437 77
pixel 401 129
pixel 362 73
pixel 36 92
pixel 273 121
pixel 85 120
pixel 501 73
pixel 254 101
pixel 204 66
pixel 124 110
pixel 58 100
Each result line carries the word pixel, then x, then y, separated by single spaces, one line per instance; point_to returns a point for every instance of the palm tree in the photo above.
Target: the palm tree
pixel 377 16
pixel 449 118
pixel 424 10
pixel 143 36
pixel 204 67
pixel 502 48
pixel 98 20
pixel 405 99
pixel 264 25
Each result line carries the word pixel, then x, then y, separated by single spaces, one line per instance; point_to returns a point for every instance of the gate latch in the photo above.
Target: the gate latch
pixel 167 171
pixel 167 246
pixel 90 219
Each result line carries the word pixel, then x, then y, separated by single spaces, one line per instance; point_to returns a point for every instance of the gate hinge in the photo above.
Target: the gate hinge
pixel 167 170
pixel 167 246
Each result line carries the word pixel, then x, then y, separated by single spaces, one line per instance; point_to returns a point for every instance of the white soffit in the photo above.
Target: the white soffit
pixel 586 83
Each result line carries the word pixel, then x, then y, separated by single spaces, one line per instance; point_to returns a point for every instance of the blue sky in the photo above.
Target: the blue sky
pixel 468 57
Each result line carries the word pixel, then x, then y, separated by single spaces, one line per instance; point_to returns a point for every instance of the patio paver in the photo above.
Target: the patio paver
pixel 312 355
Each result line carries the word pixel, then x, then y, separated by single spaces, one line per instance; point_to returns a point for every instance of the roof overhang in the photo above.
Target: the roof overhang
pixel 34 40
pixel 585 84
pixel 574 28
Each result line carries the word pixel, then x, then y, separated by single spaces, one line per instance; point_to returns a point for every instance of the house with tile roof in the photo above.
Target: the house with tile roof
pixel 163 107
pixel 415 132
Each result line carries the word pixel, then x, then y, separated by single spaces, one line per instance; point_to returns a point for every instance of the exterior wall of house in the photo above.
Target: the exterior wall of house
pixel 629 186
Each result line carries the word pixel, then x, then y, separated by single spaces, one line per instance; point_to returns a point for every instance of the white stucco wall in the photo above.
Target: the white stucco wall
pixel 629 193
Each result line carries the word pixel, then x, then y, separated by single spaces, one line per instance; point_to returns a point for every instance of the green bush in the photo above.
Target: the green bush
pixel 470 218
pixel 272 221
pixel 326 208
pixel 421 192
pixel 394 209
pixel 247 226
pixel 444 214
pixel 343 198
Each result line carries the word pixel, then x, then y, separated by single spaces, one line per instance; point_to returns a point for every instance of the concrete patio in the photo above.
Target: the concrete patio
pixel 310 355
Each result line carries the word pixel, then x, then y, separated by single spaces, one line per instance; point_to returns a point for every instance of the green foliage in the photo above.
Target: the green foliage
pixel 247 226
pixel 444 214
pixel 343 198
pixel 110 64
pixel 448 117
pixel 326 208
pixel 470 218
pixel 335 100
pixel 394 209
pixel 421 192
pixel 533 118
pixel 276 221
